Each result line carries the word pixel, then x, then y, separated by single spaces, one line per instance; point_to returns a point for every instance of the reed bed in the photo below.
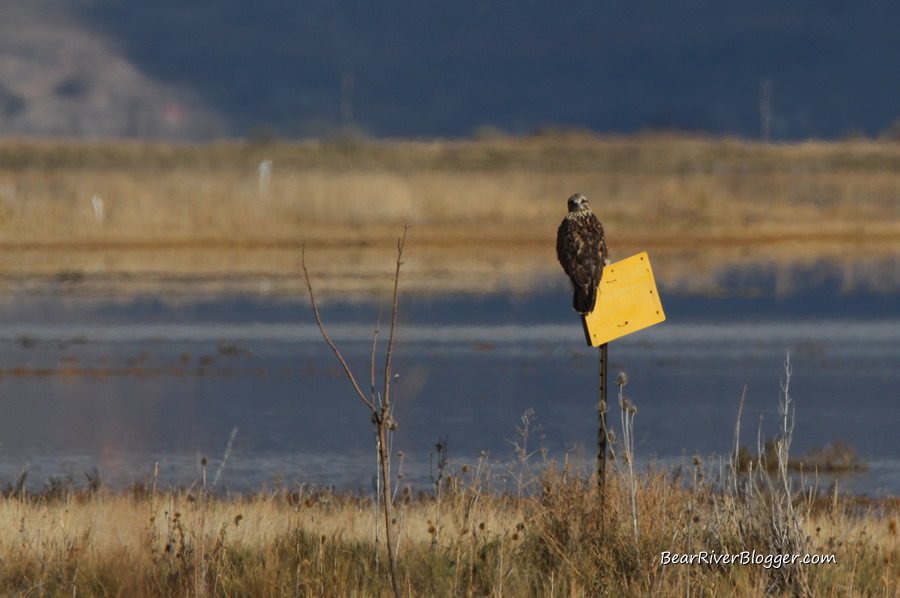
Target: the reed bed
pixel 137 217
pixel 469 536
pixel 515 188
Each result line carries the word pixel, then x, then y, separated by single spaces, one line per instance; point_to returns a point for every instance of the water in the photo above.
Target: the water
pixel 121 384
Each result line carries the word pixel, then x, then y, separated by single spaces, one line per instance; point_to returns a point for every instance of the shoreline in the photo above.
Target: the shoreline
pixel 431 265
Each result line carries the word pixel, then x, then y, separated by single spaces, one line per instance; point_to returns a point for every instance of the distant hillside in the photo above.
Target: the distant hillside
pixel 57 78
pixel 414 68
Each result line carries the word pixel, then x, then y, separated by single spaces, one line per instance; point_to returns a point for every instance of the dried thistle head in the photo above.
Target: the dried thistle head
pixel 622 379
pixel 697 460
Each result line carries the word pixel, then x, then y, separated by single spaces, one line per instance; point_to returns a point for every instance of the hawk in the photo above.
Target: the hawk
pixel 581 250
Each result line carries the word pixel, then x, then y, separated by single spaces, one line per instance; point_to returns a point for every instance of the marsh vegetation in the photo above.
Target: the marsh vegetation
pixel 133 218
pixel 482 213
pixel 482 529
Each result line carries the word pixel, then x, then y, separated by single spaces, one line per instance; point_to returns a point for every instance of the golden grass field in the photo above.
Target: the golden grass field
pixel 469 538
pixel 483 214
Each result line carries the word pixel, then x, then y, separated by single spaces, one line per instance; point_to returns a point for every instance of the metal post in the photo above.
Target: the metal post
pixel 601 422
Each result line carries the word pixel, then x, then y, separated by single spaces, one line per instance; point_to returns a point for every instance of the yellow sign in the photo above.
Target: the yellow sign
pixel 627 301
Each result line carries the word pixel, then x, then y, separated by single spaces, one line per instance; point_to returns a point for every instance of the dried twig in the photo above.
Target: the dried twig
pixel 380 407
pixel 312 298
pixel 387 362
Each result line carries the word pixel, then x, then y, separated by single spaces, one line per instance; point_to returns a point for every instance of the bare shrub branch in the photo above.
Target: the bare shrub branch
pixel 381 410
pixel 315 307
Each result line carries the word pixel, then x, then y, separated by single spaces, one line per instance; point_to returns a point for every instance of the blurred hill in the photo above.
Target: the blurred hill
pixel 59 78
pixel 413 68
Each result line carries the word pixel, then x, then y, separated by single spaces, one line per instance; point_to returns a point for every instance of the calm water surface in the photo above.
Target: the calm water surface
pixel 119 385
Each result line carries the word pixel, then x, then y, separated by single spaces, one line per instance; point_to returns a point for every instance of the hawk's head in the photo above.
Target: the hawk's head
pixel 578 202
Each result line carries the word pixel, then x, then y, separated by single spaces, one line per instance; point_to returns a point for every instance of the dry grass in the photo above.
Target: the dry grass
pixel 467 539
pixel 639 186
pixel 483 213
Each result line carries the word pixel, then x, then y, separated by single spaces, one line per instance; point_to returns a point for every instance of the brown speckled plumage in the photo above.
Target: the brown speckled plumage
pixel 581 250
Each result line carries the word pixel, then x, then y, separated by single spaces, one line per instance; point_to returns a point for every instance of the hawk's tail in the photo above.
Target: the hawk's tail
pixel 584 299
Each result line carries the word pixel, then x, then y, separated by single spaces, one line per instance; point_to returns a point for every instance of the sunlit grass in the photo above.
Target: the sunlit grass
pixel 483 213
pixel 515 188
pixel 470 537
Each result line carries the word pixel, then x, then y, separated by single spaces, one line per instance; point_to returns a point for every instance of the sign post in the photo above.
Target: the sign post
pixel 627 301
pixel 601 421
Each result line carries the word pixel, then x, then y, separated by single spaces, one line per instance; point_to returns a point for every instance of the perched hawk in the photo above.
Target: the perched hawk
pixel 581 249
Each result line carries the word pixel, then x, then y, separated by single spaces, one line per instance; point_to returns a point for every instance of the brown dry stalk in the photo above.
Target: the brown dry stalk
pixel 381 416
